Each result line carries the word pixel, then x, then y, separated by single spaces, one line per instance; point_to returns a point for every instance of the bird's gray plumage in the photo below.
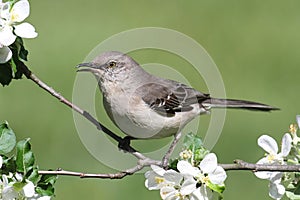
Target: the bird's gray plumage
pixel 140 102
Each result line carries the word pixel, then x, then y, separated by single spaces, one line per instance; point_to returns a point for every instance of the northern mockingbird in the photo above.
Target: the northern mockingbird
pixel 146 106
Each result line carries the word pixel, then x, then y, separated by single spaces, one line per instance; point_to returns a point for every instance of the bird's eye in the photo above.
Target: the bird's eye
pixel 112 64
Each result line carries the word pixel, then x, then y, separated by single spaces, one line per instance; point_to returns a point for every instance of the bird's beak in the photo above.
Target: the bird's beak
pixel 88 67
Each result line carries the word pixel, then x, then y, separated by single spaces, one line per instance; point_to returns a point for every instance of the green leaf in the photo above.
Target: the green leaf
pixel 33 175
pixel 293 191
pixel 45 186
pixel 25 157
pixel 173 164
pixel 18 186
pixel 217 188
pixel 7 139
pixel 19 55
pixel 192 141
pixel 199 154
pixel 23 53
pixel 9 165
pixel 6 73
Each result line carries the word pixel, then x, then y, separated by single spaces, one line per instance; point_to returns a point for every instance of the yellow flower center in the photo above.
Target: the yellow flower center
pixel 159 180
pixel 14 17
pixel 271 157
pixel 186 154
pixel 293 128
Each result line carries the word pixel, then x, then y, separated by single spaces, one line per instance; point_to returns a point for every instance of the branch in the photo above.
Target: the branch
pixel 166 158
pixel 63 100
pixel 239 165
pixel 119 175
pixel 142 160
pixel 242 165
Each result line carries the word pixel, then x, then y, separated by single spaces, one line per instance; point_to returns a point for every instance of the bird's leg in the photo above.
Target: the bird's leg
pixel 124 144
pixel 166 158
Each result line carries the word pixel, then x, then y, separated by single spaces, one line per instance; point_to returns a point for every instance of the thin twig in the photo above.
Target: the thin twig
pixel 239 165
pixel 143 161
pixel 167 156
pixel 119 175
pixel 62 99
pixel 242 165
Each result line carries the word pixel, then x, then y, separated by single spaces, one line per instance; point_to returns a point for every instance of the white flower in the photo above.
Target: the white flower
pixel 28 190
pixel 44 198
pixel 11 15
pixel 10 191
pixel 202 193
pixel 158 178
pixel 169 182
pixel 190 184
pixel 5 54
pixel 276 190
pixel 273 157
pixel 186 154
pixel 293 131
pixel 209 170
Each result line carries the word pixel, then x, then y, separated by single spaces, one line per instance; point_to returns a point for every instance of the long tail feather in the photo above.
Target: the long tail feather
pixel 239 104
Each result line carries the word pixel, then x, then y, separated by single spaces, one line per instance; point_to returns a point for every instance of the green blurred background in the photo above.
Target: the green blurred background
pixel 255 44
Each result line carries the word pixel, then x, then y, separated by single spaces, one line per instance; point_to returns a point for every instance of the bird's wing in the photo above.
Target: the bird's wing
pixel 170 97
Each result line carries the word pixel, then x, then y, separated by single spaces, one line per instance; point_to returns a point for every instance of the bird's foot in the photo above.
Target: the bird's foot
pixel 124 144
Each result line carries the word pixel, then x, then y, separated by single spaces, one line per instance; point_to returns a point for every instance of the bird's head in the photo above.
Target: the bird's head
pixel 110 66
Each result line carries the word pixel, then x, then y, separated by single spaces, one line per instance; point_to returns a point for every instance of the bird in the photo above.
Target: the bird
pixel 145 106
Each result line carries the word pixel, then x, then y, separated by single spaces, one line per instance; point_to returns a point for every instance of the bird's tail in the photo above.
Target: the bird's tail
pixel 239 104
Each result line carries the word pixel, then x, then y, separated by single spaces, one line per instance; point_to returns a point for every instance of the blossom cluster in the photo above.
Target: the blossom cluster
pixel 190 180
pixel 14 187
pixel 290 141
pixel 12 14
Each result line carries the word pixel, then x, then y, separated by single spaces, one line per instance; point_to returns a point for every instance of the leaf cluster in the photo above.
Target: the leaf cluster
pixel 19 158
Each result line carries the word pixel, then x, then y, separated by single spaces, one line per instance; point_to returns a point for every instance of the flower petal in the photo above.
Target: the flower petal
pixel 28 189
pixel 298 120
pixel 276 190
pixel 158 170
pixel 4 12
pixel 286 144
pixel 209 163
pixel 218 176
pixel 173 177
pixel 167 192
pixel 151 180
pixel 5 55
pixel 202 193
pixel 6 36
pixel 276 177
pixel 188 186
pixel 9 193
pixel 25 30
pixel 1 159
pixel 20 11
pixel 44 198
pixel 263 174
pixel 268 144
pixel 186 169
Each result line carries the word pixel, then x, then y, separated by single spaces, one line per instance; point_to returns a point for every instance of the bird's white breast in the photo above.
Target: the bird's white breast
pixel 135 118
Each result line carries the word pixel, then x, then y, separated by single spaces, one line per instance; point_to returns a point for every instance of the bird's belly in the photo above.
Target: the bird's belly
pixel 142 122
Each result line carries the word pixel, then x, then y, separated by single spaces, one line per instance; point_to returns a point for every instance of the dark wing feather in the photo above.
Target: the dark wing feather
pixel 170 97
